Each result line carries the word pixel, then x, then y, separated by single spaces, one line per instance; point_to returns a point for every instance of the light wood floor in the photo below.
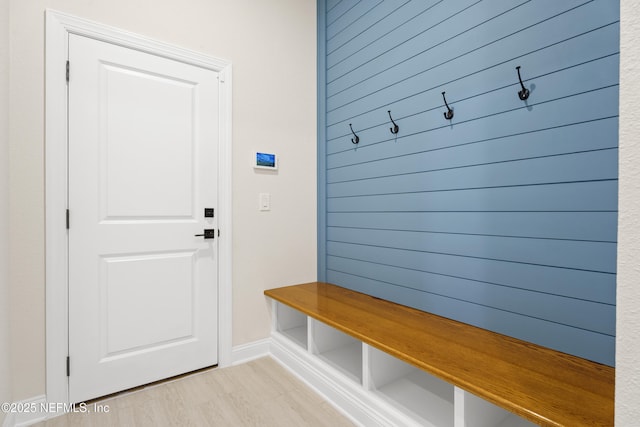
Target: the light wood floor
pixel 257 393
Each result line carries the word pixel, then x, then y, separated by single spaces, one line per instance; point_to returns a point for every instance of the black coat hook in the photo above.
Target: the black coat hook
pixel 357 138
pixel 524 93
pixel 449 114
pixel 395 129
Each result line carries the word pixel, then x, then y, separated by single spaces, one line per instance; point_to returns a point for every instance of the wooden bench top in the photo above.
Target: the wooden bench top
pixel 544 386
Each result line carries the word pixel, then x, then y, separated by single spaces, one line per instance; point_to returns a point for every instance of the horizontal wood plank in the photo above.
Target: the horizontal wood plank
pixel 545 386
pixel 579 284
pixel 591 256
pixel 591 226
pixel 591 196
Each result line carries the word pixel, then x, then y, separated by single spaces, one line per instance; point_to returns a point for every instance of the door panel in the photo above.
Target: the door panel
pixel 169 278
pixel 143 138
pixel 154 191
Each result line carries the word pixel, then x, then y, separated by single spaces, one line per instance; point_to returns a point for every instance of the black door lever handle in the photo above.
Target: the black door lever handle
pixel 209 233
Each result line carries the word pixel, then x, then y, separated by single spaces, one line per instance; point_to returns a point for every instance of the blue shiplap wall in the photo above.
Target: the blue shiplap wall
pixel 504 217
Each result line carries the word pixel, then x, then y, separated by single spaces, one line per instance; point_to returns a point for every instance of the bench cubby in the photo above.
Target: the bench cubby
pixel 478 412
pixel 337 349
pixel 425 398
pixel 292 324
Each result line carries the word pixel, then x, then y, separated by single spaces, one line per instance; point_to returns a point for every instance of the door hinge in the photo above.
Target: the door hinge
pixel 67 71
pixel 67 219
pixel 68 366
pixel 218 232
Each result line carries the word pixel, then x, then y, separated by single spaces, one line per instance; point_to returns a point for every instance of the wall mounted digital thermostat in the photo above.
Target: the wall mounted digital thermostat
pixel 265 161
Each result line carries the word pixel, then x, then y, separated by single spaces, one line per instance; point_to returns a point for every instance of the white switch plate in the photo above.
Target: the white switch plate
pixel 265 201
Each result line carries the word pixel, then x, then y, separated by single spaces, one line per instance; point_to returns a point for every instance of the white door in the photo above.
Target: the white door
pixel 143 288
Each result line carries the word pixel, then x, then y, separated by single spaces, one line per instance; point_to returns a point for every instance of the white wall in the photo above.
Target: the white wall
pixel 5 373
pixel 628 287
pixel 271 44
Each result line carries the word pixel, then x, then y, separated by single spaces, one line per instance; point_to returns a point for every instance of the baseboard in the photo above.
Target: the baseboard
pixel 250 351
pixel 26 412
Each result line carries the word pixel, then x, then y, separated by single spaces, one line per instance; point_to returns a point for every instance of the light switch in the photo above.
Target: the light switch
pixel 265 201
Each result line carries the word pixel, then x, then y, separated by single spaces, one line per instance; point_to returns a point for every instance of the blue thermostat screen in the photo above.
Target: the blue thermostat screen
pixel 266 160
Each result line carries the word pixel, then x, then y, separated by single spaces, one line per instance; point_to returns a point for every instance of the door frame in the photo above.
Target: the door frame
pixel 58 27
